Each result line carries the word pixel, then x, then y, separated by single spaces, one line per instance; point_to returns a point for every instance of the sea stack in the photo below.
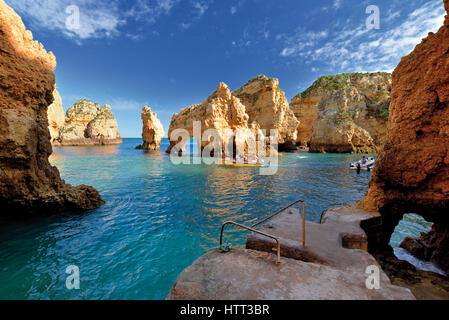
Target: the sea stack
pixel 267 108
pixel 412 169
pixel 152 132
pixel 56 116
pixel 344 113
pixel 29 185
pixel 88 123
pixel 220 111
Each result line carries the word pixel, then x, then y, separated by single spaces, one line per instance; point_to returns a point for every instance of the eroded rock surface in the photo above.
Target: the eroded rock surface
pixel 56 116
pixel 88 123
pixel 412 170
pixel 152 132
pixel 28 183
pixel 345 113
pixel 220 111
pixel 324 269
pixel 268 108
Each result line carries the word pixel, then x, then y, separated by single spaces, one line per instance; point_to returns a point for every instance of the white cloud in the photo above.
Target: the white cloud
pixel 98 19
pixel 200 7
pixel 337 4
pixel 360 49
pixel 233 10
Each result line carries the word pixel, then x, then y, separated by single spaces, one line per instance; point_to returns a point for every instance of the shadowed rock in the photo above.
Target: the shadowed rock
pixel 28 183
pixel 412 170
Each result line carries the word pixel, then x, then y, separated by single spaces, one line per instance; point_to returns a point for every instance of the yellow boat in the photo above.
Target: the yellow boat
pixel 242 164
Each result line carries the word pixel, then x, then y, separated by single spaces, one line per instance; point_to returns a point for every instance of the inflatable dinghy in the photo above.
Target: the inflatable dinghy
pixel 368 166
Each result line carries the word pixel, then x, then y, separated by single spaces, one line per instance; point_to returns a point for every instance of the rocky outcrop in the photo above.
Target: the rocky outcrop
pixel 56 116
pixel 28 183
pixel 220 111
pixel 152 132
pixel 88 123
pixel 332 265
pixel 267 108
pixel 345 113
pixel 412 169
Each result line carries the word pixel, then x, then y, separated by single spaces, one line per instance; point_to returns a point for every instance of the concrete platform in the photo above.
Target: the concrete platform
pixel 243 274
pixel 326 269
pixel 339 242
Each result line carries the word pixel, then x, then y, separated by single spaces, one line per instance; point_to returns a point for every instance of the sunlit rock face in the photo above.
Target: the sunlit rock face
pixel 56 116
pixel 88 123
pixel 221 111
pixel 268 108
pixel 28 183
pixel 345 113
pixel 412 169
pixel 152 132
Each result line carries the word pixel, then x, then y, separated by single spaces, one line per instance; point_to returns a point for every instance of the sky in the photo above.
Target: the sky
pixel 170 54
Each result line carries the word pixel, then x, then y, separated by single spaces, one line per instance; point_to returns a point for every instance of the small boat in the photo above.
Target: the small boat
pixel 368 166
pixel 242 164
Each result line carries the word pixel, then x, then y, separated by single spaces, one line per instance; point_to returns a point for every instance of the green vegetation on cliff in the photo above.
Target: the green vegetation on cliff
pixel 336 82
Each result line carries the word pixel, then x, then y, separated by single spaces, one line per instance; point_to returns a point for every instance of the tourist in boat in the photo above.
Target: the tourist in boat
pixel 364 160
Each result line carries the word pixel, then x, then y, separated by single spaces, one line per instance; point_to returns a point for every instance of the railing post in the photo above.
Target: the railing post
pixel 303 225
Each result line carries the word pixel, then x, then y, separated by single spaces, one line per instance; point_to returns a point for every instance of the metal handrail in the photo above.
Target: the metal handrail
pixel 282 210
pixel 256 231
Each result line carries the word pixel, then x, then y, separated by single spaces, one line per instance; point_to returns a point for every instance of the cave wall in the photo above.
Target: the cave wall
pixel 412 169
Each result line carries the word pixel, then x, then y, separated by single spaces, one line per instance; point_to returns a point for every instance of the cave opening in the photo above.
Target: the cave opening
pixel 405 241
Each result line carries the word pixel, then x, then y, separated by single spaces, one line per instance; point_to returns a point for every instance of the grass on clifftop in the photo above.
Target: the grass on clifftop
pixel 336 82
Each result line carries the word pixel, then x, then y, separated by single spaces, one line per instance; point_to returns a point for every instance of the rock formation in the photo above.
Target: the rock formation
pixel 152 132
pixel 56 116
pixel 88 123
pixel 28 183
pixel 412 169
pixel 268 108
pixel 345 113
pixel 220 111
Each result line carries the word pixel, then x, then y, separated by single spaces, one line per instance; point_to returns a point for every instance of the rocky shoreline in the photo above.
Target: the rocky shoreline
pixel 29 185
pixel 88 123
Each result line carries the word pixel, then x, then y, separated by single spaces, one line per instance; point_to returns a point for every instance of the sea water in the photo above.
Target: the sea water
pixel 158 218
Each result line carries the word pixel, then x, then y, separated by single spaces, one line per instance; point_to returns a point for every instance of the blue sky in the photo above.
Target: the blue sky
pixel 170 54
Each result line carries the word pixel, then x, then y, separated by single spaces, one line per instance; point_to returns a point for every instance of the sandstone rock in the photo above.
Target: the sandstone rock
pixel 152 132
pixel 324 269
pixel 345 113
pixel 268 108
pixel 220 111
pixel 88 123
pixel 28 183
pixel 56 116
pixel 412 169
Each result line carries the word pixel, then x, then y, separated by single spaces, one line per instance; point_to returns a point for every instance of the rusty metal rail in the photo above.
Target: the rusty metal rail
pixel 269 235
pixel 282 210
pixel 278 243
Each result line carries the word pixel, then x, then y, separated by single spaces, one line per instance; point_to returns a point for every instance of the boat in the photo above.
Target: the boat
pixel 368 166
pixel 241 164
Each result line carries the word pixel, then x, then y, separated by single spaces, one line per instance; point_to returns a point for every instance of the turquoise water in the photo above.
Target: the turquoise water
pixel 158 219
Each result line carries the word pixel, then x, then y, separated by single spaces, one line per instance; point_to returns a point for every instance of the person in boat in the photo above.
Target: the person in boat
pixel 364 160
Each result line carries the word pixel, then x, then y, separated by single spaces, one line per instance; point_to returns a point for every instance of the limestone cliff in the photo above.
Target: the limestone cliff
pixel 345 113
pixel 268 108
pixel 28 183
pixel 220 111
pixel 56 116
pixel 152 132
pixel 88 123
pixel 412 169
